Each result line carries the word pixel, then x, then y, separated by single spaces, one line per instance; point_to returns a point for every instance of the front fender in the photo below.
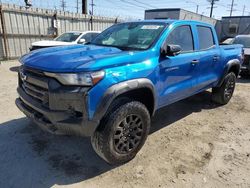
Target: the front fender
pixel 121 88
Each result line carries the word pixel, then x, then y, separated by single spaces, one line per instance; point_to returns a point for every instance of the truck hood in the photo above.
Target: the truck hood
pixel 79 58
pixel 47 43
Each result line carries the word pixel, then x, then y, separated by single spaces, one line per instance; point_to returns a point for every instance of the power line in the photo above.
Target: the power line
pixel 122 5
pixel 244 9
pixel 151 6
pixel 136 5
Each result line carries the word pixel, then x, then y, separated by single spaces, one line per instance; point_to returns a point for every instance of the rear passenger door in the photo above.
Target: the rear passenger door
pixel 209 57
pixel 178 73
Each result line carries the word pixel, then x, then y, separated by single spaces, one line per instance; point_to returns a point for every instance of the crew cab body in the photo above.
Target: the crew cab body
pixel 67 38
pixel 69 90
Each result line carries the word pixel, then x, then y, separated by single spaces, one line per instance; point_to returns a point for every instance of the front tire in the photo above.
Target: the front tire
pixel 122 133
pixel 223 94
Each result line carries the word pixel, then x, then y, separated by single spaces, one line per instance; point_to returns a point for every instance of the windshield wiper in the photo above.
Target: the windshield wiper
pixel 124 48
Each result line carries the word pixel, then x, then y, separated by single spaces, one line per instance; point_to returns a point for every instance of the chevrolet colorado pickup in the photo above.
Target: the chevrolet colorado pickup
pixel 110 88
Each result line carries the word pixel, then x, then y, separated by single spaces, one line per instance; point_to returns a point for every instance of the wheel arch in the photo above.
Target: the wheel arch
pixel 141 90
pixel 232 66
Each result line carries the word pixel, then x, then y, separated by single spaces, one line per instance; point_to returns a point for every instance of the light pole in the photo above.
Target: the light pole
pixel 197 6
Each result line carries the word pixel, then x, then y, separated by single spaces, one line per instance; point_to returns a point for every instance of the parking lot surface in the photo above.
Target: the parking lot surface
pixel 193 143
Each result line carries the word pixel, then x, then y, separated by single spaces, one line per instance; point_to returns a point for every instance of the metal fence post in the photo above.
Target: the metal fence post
pixel 91 22
pixel 4 34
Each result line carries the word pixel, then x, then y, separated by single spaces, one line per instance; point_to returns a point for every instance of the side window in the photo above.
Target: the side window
pixel 206 39
pixel 87 37
pixel 93 35
pixel 183 37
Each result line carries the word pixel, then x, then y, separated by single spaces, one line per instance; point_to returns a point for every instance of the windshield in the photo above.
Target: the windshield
pixel 68 37
pixel 245 41
pixel 128 36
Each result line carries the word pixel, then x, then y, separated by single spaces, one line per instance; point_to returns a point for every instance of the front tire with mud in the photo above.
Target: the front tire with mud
pixel 122 132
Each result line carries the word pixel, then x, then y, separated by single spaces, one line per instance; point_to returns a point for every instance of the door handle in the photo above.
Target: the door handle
pixel 195 62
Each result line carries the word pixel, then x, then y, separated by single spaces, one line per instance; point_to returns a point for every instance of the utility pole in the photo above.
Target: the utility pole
pixel 197 6
pixel 92 13
pixel 244 8
pixel 92 7
pixel 77 6
pixel 63 5
pixel 212 6
pixel 232 8
pixel 197 9
pixel 84 7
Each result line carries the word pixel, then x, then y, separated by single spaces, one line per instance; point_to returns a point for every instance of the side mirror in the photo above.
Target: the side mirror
pixel 81 41
pixel 170 50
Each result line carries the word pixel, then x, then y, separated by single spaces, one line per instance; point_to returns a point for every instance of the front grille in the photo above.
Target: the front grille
pixel 35 84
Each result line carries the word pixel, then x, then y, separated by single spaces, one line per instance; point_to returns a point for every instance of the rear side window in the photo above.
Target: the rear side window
pixel 183 37
pixel 206 39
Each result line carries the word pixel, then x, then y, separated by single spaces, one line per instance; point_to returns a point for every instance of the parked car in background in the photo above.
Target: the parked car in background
pixel 110 88
pixel 68 38
pixel 228 41
pixel 245 41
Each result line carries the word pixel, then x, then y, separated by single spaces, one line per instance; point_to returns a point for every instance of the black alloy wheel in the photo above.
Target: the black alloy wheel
pixel 128 134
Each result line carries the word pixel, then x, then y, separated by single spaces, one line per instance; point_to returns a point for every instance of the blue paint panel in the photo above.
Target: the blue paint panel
pixel 174 78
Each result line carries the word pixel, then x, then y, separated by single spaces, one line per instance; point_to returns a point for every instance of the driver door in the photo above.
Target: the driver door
pixel 178 73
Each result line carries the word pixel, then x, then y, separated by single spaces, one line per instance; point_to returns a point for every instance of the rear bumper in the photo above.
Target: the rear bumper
pixel 63 120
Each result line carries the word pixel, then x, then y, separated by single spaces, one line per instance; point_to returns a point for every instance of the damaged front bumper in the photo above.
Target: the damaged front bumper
pixel 54 107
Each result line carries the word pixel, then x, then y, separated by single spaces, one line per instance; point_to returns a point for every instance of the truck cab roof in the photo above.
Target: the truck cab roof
pixel 171 21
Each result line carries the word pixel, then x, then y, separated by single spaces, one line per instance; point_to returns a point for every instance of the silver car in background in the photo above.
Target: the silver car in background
pixel 245 41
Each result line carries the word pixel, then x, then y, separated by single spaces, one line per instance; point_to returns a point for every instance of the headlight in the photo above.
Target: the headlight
pixel 82 79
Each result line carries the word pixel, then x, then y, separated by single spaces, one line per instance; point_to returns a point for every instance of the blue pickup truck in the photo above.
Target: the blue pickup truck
pixel 110 88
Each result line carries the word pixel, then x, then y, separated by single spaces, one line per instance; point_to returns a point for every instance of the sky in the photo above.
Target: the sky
pixel 134 9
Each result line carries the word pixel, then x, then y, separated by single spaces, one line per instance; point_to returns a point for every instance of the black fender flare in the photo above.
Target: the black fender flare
pixel 119 89
pixel 228 66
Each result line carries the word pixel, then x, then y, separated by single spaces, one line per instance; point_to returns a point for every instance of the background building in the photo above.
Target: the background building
pixel 229 27
pixel 178 14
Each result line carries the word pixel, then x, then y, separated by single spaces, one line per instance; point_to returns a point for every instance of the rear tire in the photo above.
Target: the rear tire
pixel 122 133
pixel 223 94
